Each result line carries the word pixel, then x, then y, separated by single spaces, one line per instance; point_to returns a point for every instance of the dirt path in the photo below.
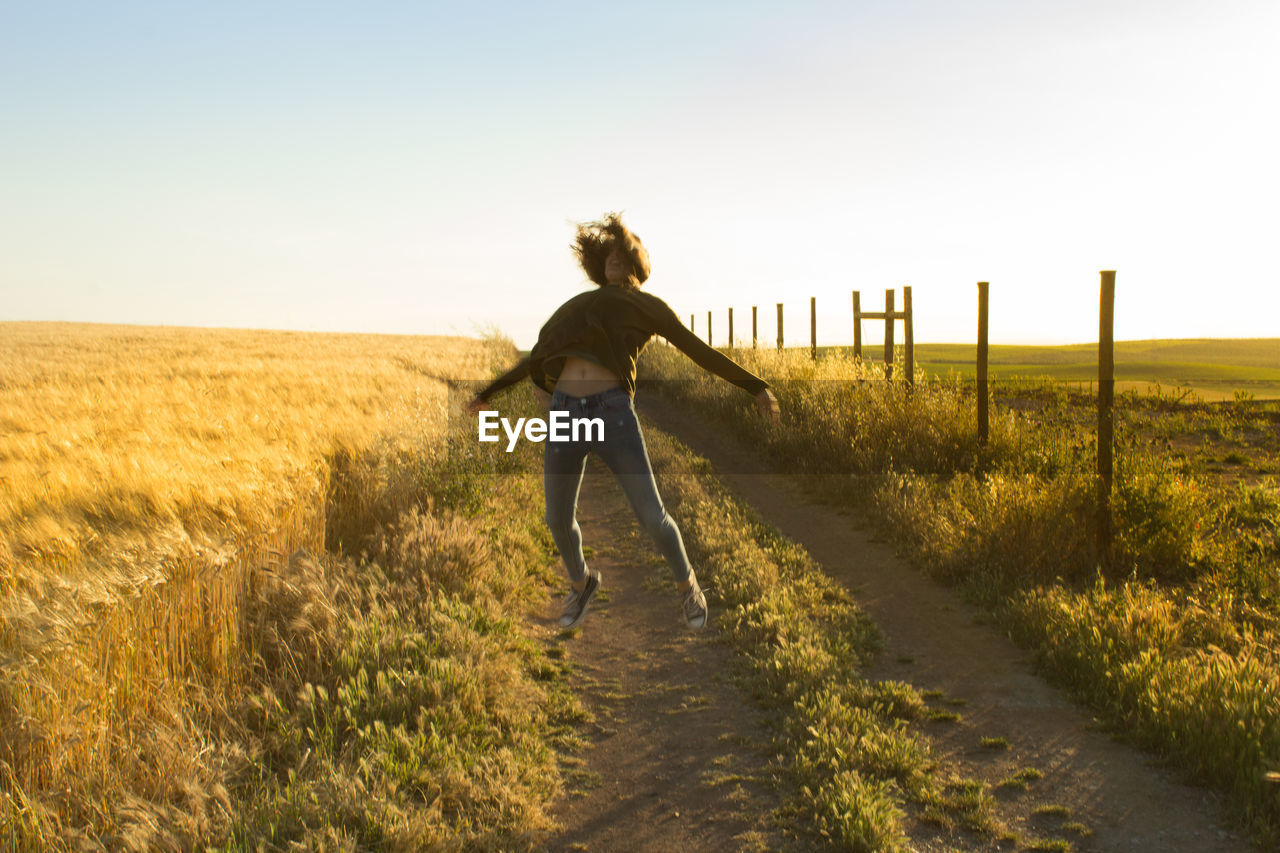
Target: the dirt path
pixel 934 641
pixel 674 762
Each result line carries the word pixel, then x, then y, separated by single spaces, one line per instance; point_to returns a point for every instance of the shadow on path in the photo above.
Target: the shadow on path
pixel 936 642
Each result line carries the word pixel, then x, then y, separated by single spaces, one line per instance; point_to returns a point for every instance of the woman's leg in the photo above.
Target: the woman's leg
pixel 625 453
pixel 562 468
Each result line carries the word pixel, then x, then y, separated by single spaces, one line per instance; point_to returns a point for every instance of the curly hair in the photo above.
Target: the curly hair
pixel 597 239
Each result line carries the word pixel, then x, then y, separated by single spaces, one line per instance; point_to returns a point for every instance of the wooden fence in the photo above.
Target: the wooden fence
pixel 1106 373
pixel 888 315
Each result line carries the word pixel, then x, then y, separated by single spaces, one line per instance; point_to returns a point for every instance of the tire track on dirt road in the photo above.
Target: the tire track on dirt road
pixel 934 642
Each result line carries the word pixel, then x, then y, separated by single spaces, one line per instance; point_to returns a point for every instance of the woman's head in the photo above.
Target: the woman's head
pixel 596 240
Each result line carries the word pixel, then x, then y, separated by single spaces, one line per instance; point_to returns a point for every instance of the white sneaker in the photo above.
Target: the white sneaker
pixel 695 608
pixel 575 604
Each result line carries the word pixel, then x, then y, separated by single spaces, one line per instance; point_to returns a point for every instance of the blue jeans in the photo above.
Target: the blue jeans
pixel 623 450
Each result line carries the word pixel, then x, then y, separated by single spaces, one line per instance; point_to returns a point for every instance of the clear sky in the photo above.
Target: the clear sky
pixel 415 167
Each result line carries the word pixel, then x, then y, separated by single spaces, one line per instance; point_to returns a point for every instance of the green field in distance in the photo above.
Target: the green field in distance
pixel 1215 369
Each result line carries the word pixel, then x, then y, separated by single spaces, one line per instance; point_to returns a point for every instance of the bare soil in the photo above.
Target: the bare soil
pixel 677 759
pixel 937 642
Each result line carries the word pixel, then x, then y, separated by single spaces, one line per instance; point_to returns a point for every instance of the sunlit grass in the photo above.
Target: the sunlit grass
pixel 1176 644
pixel 421 716
pixel 1211 369
pixel 153 485
pixel 112 430
pixel 853 765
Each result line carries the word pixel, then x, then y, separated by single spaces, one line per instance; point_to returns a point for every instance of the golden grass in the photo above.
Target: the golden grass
pixel 113 428
pixel 145 475
pixel 1176 647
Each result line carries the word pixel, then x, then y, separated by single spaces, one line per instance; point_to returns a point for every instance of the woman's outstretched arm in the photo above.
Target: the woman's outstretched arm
pixel 511 377
pixel 711 359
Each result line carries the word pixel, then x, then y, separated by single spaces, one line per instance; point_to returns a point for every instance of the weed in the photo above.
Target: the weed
pixel 851 761
pixel 1022 779
pixel 1174 644
pixel 1053 810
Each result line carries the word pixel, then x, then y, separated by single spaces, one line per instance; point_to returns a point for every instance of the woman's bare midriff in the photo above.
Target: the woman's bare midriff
pixel 580 377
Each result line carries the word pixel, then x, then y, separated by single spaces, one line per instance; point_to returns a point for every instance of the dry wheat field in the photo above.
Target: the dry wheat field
pixel 146 475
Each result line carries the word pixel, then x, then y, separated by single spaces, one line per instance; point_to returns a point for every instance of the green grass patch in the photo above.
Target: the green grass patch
pixel 1022 779
pixel 1174 647
pixel 843 743
pixel 1052 811
pixel 1050 845
pixel 1214 369
pixel 402 705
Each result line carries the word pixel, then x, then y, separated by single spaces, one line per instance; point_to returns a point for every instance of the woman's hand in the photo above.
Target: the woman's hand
pixel 768 405
pixel 476 405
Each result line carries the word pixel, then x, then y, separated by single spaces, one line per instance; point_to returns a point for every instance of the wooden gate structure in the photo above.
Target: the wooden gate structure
pixel 888 315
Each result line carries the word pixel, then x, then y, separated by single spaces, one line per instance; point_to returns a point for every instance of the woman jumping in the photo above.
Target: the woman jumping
pixel 586 355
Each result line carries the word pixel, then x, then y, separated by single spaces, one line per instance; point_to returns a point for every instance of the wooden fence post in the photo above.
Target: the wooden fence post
pixel 1106 394
pixel 888 334
pixel 755 340
pixel 908 336
pixel 857 327
pixel 982 363
pixel 730 328
pixel 813 328
pixel 709 329
pixel 779 325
